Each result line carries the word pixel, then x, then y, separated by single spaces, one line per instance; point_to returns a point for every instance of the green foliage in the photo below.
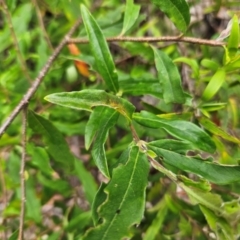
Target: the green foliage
pixel 183 130
pixel 87 99
pixel 177 11
pixel 130 16
pixel 125 198
pixel 124 140
pixel 169 78
pixel 100 51
pixel 101 120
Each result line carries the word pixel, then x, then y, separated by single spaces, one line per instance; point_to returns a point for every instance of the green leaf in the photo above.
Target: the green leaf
pixel 219 174
pixel 125 201
pixel 211 107
pixel 210 64
pixel 210 200
pixel 55 143
pixel 100 50
pixel 98 119
pixel 183 130
pixel 172 145
pixel 214 85
pixel 190 62
pixel 99 199
pixel 201 184
pixel 213 128
pixel 57 185
pixel 234 64
pixel 79 222
pixel 88 183
pixel 101 120
pixel 176 116
pixel 130 15
pixel 220 226
pixel 233 41
pixel 231 210
pixel 40 159
pixel 87 99
pixel 138 87
pixel 33 204
pixel 177 11
pixel 14 236
pixel 169 78
pixel 157 223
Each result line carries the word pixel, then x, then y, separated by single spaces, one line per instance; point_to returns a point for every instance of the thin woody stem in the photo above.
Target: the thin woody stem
pixel 39 79
pixel 180 38
pixel 134 134
pixel 15 41
pixel 22 170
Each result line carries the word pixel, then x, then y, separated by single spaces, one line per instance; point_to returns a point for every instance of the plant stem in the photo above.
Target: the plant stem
pixel 15 41
pixel 192 40
pixel 22 170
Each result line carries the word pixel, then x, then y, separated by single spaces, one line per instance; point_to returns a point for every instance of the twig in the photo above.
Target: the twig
pixel 193 40
pixel 162 169
pixel 15 41
pixel 22 170
pixel 3 236
pixel 134 134
pixel 40 20
pixel 39 79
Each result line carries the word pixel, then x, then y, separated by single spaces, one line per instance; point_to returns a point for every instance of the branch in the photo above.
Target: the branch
pixel 4 199
pixel 192 40
pixel 15 41
pixel 38 80
pixel 22 170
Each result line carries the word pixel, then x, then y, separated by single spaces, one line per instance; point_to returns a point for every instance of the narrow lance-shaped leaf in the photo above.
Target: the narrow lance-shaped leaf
pixel 219 225
pixel 125 202
pixel 183 130
pixel 208 199
pixel 99 199
pixel 141 87
pixel 177 11
pixel 173 145
pixel 219 174
pixel 14 236
pixel 233 41
pixel 101 120
pixel 100 50
pixel 213 128
pixel 87 180
pixel 199 194
pixel 55 143
pixel 157 223
pixel 191 63
pixel 201 184
pixel 87 99
pixel 169 78
pixel 97 120
pixel 214 85
pixel 130 15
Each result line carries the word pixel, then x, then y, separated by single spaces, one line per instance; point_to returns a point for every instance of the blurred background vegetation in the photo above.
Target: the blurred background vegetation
pixel 57 206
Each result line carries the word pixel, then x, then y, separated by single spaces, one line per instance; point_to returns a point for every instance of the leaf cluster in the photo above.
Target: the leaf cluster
pixel 125 140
